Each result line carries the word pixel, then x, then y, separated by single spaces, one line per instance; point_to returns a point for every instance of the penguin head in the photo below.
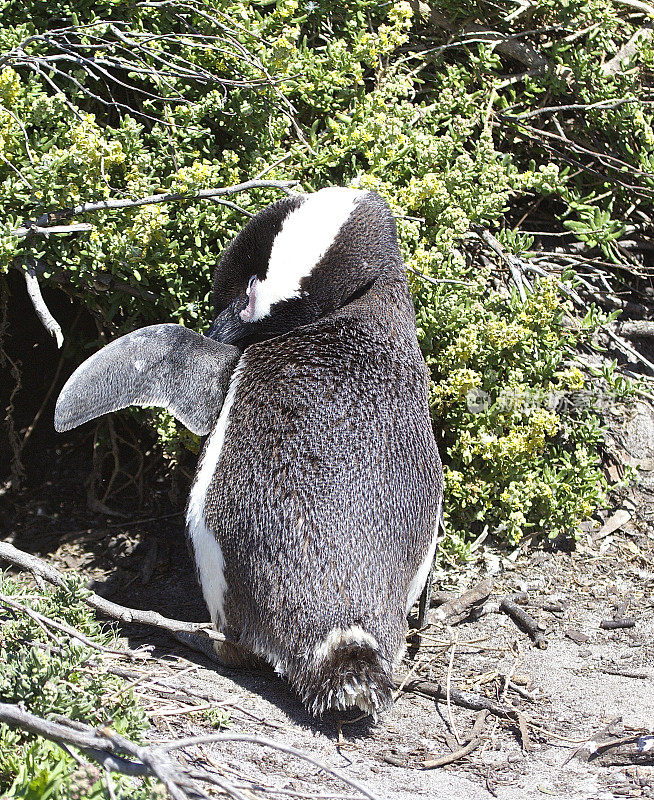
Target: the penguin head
pixel 300 259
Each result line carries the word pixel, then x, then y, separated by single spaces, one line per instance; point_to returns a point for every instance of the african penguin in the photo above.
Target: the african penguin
pixel 316 503
pixel 314 511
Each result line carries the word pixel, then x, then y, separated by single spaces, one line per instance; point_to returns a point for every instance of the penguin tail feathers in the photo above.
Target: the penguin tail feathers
pixel 348 670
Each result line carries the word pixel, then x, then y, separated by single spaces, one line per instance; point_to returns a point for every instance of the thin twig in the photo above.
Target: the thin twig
pixel 260 740
pixel 113 204
pixel 450 717
pixel 121 613
pixel 73 633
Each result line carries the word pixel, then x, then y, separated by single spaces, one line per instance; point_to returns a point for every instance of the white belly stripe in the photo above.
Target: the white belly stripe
pixel 420 578
pixel 208 554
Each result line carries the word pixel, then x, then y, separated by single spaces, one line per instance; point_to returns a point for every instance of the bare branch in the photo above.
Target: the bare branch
pixel 601 105
pixel 25 230
pixel 118 754
pixel 628 349
pixel 513 262
pixel 39 567
pixel 102 744
pixel 34 291
pixel 261 740
pixel 170 197
pixel 637 328
pixel 506 44
pixel 614 65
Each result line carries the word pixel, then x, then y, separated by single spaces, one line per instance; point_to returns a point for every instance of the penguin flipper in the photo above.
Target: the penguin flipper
pixel 161 365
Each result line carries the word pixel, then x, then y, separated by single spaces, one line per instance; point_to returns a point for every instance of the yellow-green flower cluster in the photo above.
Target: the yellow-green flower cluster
pixel 9 86
pixel 90 146
pixel 148 227
pixel 462 349
pixel 372 46
pixel 503 335
pixel 456 387
pixel 572 378
pixel 519 443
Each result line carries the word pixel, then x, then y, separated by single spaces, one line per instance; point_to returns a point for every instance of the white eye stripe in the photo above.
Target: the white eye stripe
pixel 305 236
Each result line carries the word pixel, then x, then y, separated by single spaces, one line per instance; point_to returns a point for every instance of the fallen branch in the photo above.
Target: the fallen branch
pixel 627 51
pixel 473 742
pixel 614 624
pixel 625 672
pixel 40 568
pixel 455 610
pixel 470 700
pixel 260 740
pixel 525 621
pixel 636 328
pixel 524 732
pixel 118 754
pixel 448 758
pixel 591 744
pixel 507 44
pixel 628 349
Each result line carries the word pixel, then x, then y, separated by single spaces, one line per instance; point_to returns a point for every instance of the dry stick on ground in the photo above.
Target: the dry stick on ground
pixel 525 621
pixel 121 755
pixel 636 328
pixel 448 697
pixel 628 673
pixel 506 44
pixel 590 745
pixel 260 740
pixel 473 741
pixel 39 567
pixel 524 732
pixel 471 700
pixel 614 624
pixel 456 609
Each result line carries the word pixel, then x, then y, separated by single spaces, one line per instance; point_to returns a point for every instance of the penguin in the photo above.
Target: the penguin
pixel 314 513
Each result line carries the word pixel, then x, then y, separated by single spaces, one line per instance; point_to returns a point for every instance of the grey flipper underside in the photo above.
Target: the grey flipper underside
pixel 162 365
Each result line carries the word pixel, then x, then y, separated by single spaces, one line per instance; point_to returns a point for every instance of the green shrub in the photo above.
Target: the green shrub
pixel 54 674
pixel 395 97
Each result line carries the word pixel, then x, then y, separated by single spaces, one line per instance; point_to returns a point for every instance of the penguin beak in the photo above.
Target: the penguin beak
pixel 229 327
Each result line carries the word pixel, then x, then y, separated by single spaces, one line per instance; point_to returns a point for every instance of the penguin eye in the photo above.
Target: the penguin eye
pixel 248 312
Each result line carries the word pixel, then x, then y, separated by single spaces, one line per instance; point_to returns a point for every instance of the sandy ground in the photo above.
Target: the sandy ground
pixel 567 693
pixel 573 692
pixel 575 696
